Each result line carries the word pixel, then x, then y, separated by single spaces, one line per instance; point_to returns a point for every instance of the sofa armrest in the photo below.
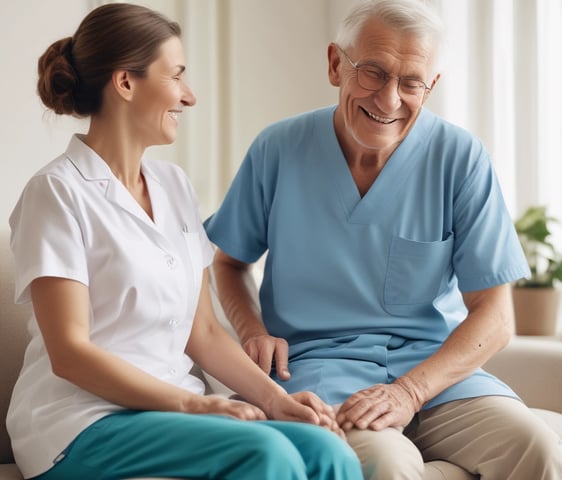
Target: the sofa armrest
pixel 532 367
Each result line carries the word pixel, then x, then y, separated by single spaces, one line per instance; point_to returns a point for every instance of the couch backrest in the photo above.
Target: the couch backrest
pixel 13 339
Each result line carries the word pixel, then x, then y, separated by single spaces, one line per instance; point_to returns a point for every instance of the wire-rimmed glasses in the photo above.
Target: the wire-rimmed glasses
pixel 372 77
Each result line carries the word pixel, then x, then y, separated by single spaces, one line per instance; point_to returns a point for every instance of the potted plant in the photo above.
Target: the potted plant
pixel 536 298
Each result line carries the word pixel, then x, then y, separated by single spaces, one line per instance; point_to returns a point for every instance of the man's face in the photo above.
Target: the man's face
pixel 377 121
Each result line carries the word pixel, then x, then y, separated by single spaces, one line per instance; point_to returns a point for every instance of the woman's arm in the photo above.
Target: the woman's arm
pixel 216 352
pixel 61 307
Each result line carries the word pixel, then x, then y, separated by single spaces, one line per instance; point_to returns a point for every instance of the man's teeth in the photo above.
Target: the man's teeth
pixel 380 119
pixel 174 115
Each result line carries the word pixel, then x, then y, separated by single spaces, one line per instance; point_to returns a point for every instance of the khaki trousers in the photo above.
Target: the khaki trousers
pixel 497 438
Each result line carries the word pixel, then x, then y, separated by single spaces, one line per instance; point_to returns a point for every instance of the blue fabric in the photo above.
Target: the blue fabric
pixel 176 445
pixel 364 288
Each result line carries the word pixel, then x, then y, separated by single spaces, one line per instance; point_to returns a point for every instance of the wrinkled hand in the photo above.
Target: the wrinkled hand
pixel 379 407
pixel 263 349
pixel 215 404
pixel 304 407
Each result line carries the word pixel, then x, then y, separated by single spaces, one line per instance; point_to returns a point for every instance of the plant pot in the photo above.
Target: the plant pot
pixel 536 310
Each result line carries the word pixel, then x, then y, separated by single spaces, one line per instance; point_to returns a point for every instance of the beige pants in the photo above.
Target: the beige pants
pixel 497 438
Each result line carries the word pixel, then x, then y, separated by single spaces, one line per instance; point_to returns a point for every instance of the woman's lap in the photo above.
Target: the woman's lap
pixel 175 445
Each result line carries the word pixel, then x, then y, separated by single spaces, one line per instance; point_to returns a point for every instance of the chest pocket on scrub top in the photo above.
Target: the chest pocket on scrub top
pixel 415 270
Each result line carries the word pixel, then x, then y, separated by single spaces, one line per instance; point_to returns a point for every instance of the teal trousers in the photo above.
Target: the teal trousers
pixel 176 445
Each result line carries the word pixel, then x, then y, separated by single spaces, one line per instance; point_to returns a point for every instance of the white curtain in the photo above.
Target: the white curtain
pixel 502 80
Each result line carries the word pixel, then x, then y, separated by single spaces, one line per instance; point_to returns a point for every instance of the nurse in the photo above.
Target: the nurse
pixel 384 289
pixel 110 250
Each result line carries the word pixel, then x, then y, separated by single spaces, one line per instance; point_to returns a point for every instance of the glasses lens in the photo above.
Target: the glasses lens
pixel 371 77
pixel 411 87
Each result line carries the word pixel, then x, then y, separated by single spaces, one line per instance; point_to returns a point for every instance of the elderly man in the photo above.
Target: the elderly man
pixel 389 256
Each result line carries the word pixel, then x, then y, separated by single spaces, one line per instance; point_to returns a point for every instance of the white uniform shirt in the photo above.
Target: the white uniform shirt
pixel 76 220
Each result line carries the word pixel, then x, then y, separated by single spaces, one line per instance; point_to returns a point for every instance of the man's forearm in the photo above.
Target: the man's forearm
pixel 486 330
pixel 238 296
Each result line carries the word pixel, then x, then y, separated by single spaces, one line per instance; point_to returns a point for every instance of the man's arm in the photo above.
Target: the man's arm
pixel 239 299
pixel 487 329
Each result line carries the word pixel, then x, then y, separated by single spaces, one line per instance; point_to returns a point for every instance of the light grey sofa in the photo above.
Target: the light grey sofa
pixel 531 366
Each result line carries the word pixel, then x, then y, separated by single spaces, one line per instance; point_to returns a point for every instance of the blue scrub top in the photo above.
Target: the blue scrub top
pixel 364 289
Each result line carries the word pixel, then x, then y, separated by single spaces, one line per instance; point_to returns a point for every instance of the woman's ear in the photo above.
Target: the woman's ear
pixel 122 83
pixel 334 61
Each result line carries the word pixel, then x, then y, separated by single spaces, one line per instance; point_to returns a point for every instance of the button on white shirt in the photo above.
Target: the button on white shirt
pixel 76 220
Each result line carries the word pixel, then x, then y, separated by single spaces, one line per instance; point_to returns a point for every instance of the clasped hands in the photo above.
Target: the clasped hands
pixel 378 407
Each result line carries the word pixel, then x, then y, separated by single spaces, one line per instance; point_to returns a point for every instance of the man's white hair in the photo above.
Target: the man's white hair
pixel 414 17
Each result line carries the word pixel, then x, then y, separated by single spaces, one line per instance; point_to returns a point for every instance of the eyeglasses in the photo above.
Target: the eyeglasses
pixel 371 77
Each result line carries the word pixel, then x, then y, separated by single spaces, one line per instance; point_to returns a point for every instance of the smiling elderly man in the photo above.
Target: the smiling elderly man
pixel 384 288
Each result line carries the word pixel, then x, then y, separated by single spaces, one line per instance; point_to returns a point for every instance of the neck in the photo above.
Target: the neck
pixel 115 145
pixel 365 164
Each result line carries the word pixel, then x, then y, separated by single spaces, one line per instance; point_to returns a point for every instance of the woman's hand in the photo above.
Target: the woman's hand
pixel 325 412
pixel 304 407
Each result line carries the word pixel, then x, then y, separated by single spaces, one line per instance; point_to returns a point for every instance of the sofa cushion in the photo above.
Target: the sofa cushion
pixel 13 339
pixel 10 472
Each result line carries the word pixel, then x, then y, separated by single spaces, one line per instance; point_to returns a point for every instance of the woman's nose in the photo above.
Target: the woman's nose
pixel 188 98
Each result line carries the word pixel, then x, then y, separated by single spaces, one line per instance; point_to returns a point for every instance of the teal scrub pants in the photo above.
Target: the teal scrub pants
pixel 134 444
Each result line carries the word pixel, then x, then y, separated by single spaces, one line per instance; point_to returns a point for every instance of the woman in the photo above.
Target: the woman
pixel 110 250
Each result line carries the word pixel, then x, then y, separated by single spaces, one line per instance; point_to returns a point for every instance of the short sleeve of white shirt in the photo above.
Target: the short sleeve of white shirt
pixel 46 236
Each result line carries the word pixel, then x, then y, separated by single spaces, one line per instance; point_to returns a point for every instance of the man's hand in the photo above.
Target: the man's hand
pixel 263 349
pixel 380 406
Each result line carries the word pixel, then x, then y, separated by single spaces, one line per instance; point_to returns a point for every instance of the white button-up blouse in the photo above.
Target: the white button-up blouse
pixel 76 220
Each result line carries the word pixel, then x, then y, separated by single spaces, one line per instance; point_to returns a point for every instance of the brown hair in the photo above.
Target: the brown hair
pixel 73 71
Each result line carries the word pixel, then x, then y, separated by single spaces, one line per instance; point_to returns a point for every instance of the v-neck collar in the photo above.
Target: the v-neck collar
pixel 385 192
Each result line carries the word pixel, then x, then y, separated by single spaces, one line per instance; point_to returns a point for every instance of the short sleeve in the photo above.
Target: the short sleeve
pixel 46 237
pixel 239 227
pixel 487 249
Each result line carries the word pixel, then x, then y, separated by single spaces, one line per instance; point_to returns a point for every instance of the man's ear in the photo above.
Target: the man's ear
pixel 435 80
pixel 122 83
pixel 432 86
pixel 334 61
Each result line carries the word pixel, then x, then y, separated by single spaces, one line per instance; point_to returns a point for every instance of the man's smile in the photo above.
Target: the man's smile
pixel 378 119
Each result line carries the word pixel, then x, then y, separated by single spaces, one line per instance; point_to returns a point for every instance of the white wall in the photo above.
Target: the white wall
pixel 29 137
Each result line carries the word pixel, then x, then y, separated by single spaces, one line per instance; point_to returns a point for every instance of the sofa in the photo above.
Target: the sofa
pixel 530 365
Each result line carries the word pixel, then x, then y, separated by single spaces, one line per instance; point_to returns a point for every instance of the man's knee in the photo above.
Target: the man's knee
pixel 387 454
pixel 534 443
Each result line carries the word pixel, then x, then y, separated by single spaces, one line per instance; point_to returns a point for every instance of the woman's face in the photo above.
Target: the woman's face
pixel 159 97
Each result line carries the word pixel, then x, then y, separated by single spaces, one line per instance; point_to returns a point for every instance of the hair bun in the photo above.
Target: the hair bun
pixel 57 78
